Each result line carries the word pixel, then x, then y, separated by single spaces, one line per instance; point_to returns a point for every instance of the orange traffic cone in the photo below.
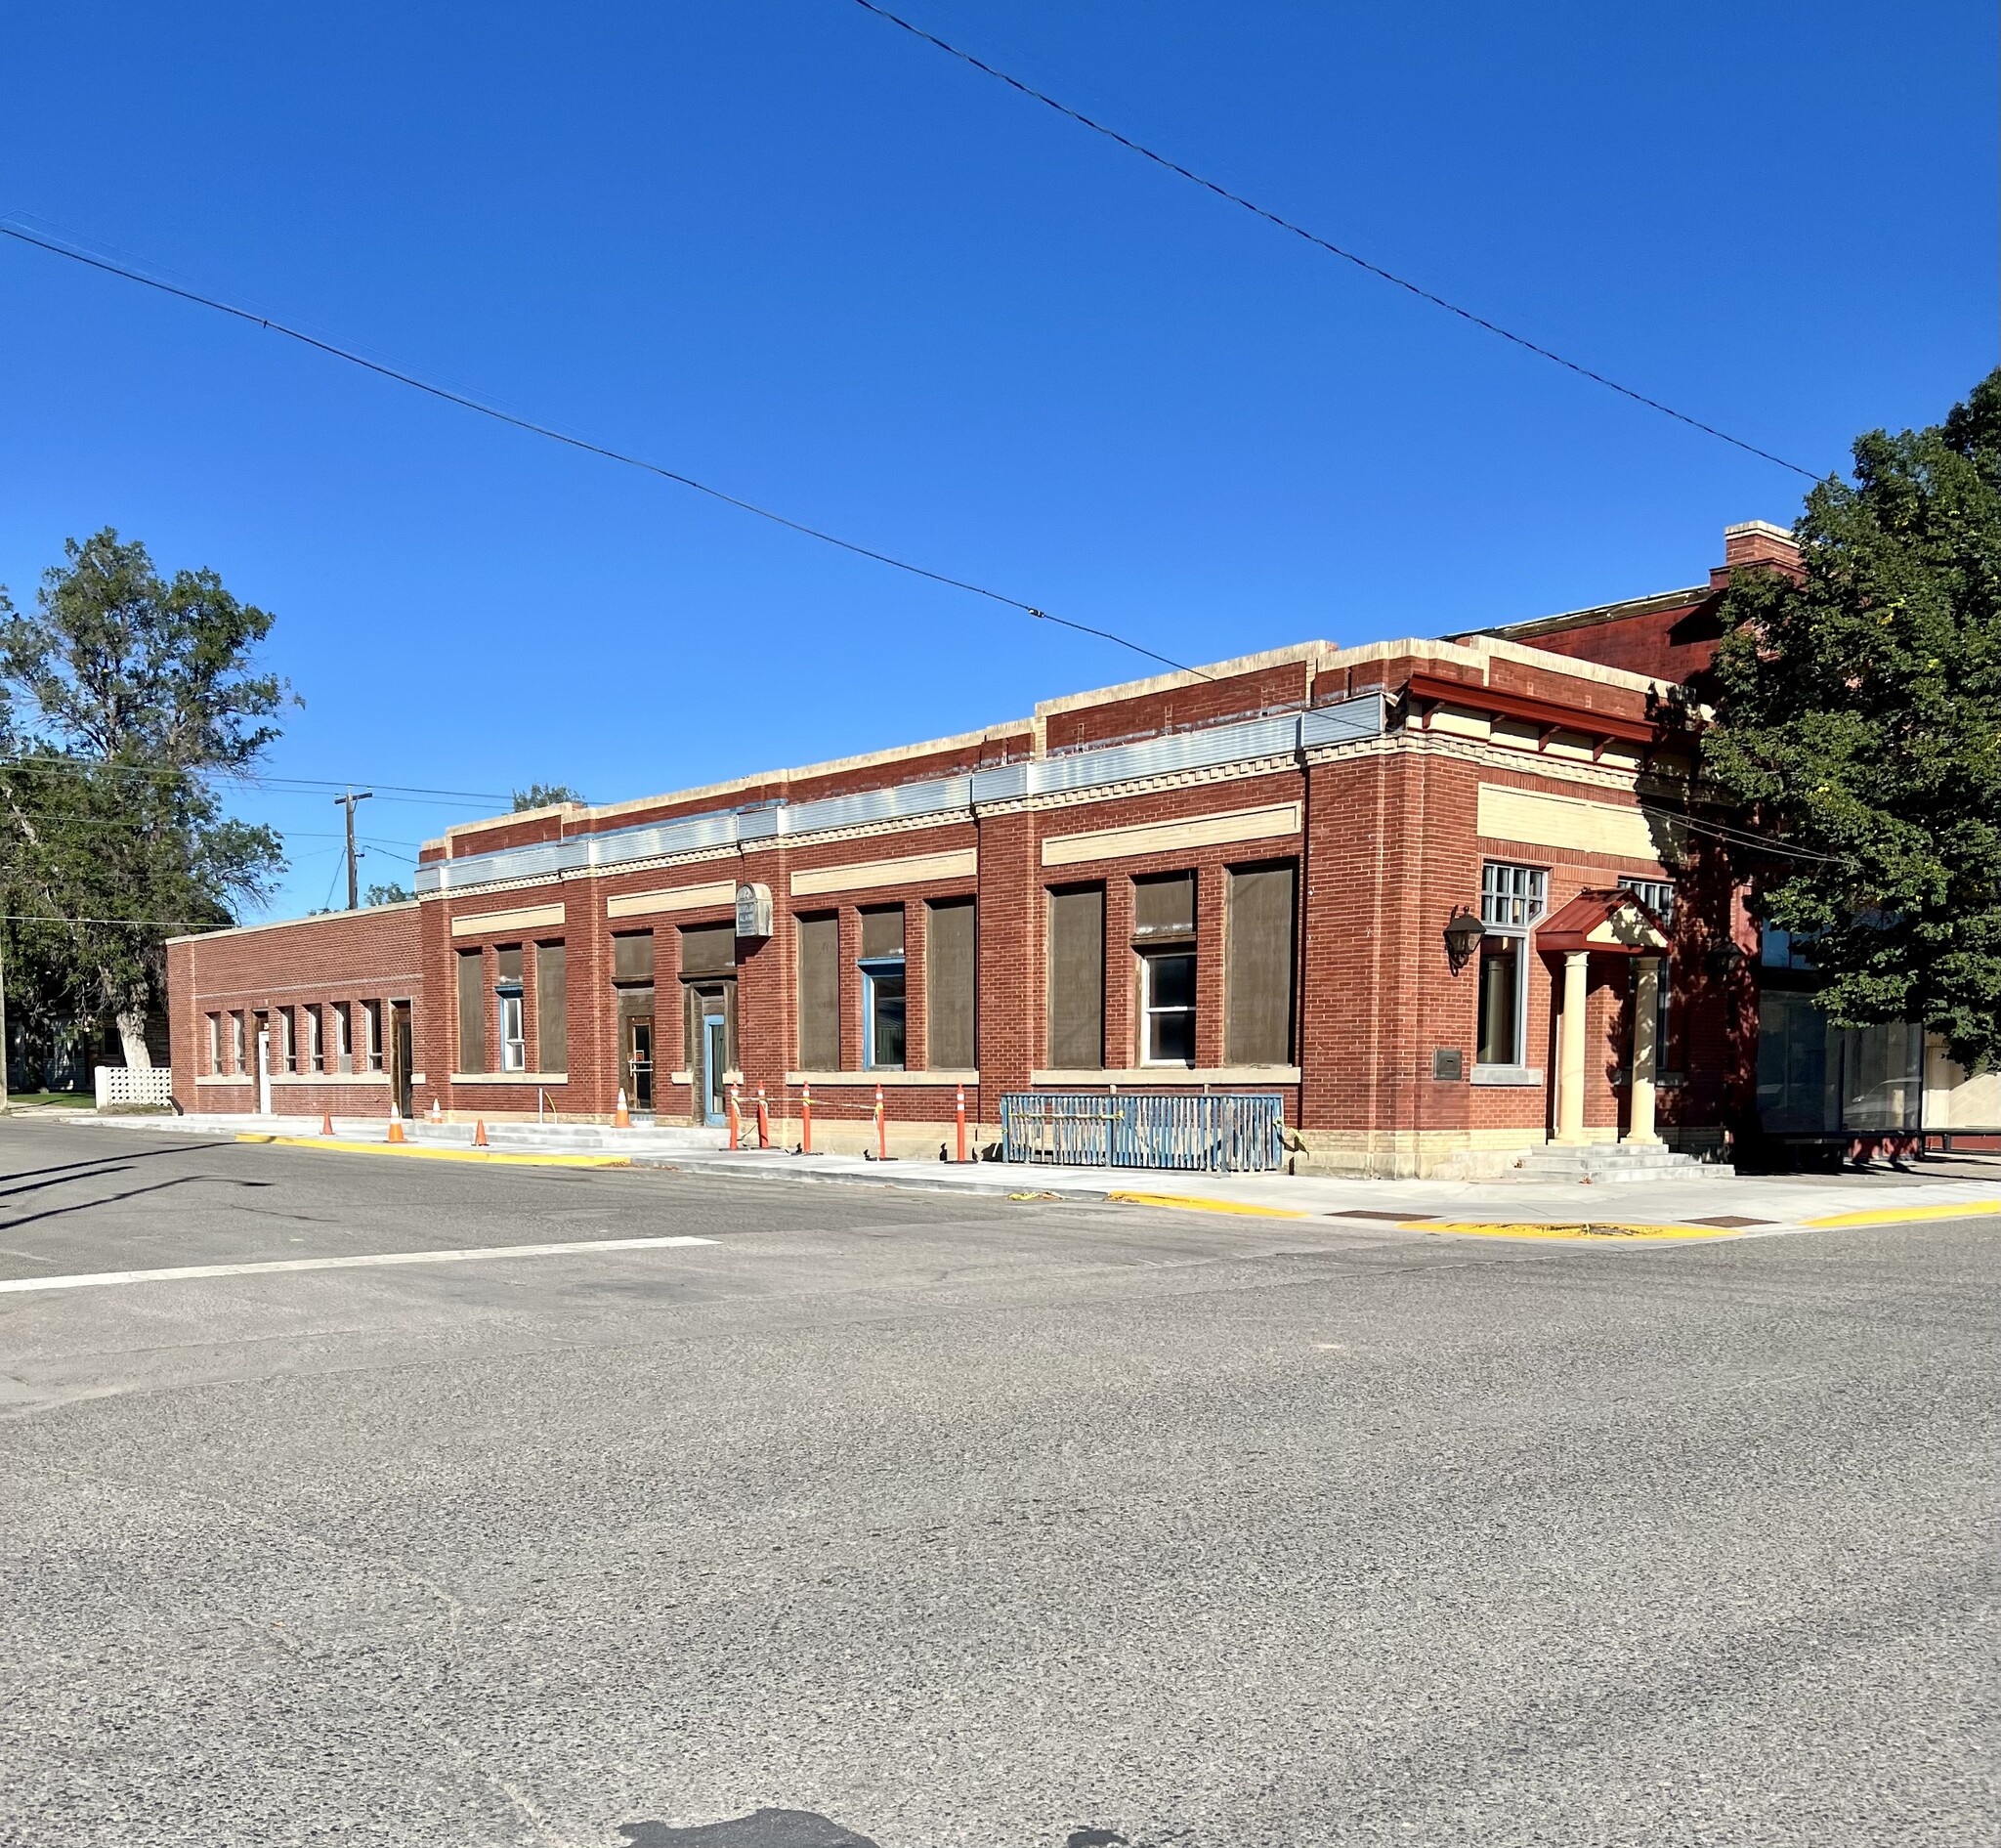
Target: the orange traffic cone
pixel 395 1126
pixel 480 1133
pixel 621 1117
pixel 326 1123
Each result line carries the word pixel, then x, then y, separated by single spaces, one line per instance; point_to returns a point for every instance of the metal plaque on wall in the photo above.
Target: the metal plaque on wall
pixel 1448 1064
pixel 753 910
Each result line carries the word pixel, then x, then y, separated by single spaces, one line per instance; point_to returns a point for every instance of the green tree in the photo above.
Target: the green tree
pixel 544 796
pixel 126 691
pixel 1858 721
pixel 391 894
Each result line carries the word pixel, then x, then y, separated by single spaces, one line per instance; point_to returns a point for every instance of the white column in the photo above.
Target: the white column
pixel 1570 1048
pixel 1647 995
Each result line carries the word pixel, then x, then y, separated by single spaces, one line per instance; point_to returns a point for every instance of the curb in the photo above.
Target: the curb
pixel 1198 1203
pixel 417 1151
pixel 1911 1215
pixel 914 1181
pixel 1574 1231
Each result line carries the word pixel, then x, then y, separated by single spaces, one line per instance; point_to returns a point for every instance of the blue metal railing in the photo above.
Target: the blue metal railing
pixel 1214 1132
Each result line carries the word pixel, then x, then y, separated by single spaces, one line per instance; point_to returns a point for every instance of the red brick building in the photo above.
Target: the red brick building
pixel 1235 878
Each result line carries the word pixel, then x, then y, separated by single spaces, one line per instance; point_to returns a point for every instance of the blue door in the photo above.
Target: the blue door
pixel 714 1058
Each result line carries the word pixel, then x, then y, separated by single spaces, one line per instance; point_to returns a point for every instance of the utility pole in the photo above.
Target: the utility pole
pixel 348 802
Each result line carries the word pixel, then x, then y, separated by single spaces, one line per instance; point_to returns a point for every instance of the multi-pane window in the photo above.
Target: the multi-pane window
pixel 507 988
pixel 215 1043
pixel 1166 994
pixel 1658 896
pixel 236 1042
pixel 883 995
pixel 343 1037
pixel 371 1034
pixel 1511 899
pixel 1164 935
pixel 288 1039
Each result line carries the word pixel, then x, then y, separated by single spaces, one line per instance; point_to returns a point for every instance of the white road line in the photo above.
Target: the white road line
pixel 97 1279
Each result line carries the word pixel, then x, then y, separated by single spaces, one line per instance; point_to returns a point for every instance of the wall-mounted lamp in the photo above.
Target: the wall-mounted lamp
pixel 1463 934
pixel 1723 960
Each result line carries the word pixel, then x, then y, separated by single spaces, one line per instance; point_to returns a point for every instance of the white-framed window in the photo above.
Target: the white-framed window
pixel 215 1043
pixel 371 1034
pixel 1658 896
pixel 236 1041
pixel 1167 1006
pixel 884 1013
pixel 288 1040
pixel 343 1037
pixel 1511 899
pixel 513 1031
pixel 310 1053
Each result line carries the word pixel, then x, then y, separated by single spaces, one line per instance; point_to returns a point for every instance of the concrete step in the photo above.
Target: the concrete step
pixel 1616 1162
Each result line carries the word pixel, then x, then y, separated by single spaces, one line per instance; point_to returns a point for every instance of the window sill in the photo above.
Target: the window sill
pixel 1517 1077
pixel 281 1079
pixel 227 1078
pixel 888 1080
pixel 509 1078
pixel 1210 1075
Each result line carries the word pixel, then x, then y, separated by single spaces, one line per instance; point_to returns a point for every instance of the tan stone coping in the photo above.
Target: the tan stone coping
pixel 1213 1075
pixel 888 1080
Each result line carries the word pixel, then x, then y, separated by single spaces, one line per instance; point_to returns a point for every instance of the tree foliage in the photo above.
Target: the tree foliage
pixel 1859 719
pixel 393 894
pixel 124 690
pixel 544 796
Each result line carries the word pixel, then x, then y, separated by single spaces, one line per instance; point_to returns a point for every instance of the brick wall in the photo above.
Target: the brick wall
pixel 357 957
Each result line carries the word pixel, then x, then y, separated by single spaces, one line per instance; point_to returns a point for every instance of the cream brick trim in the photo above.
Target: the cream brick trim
pixel 551 1079
pixel 1573 823
pixel 1169 836
pixel 279 1080
pixel 1181 1075
pixel 673 898
pixel 908 870
pixel 227 1078
pixel 889 1081
pixel 530 917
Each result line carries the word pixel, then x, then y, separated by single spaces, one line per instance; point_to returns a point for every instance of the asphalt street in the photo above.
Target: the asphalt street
pixel 897 1519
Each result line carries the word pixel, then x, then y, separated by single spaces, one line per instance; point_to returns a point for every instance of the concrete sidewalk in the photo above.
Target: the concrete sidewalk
pixel 1704 1207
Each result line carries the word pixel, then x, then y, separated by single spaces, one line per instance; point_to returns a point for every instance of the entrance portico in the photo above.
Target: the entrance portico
pixel 1611 923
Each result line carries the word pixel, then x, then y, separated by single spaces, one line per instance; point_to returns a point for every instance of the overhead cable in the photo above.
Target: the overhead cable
pixel 1333 249
pixel 465 403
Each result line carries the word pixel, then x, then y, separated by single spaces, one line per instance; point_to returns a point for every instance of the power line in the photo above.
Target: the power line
pixel 333 351
pixel 1741 837
pixel 174 923
pixel 1333 249
pixel 86 766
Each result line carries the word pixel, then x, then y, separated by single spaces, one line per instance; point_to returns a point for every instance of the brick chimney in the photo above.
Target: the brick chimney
pixel 1754 542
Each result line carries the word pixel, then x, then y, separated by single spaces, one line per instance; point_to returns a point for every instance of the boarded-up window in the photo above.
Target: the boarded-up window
pixel 882 930
pixel 820 993
pixel 472 1013
pixel 1077 977
pixel 1259 966
pixel 708 948
pixel 632 957
pixel 948 964
pixel 1164 908
pixel 552 1008
pixel 507 967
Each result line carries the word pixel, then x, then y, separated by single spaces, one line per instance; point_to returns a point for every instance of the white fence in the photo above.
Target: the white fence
pixel 135 1087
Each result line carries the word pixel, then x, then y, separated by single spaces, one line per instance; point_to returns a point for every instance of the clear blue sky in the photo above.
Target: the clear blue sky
pixel 777 244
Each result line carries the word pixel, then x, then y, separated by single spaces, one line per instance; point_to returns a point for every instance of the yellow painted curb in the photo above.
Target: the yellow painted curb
pixel 505 1158
pixel 1195 1203
pixel 1592 1232
pixel 1896 1216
